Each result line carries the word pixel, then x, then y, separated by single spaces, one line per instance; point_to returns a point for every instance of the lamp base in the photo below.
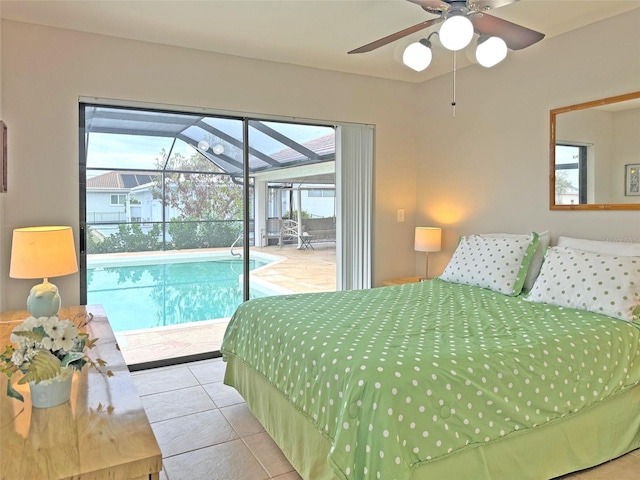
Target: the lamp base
pixel 426 272
pixel 44 300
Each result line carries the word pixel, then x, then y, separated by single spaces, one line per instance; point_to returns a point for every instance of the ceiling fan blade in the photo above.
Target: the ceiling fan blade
pixel 515 36
pixel 396 36
pixel 432 6
pixel 483 5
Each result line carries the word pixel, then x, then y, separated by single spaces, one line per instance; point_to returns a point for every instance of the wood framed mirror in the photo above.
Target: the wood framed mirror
pixel 594 155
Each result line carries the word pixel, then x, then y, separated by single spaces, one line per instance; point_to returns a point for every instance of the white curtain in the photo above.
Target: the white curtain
pixel 354 199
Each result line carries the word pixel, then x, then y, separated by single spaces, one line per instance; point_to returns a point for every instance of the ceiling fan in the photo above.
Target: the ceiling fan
pixel 515 36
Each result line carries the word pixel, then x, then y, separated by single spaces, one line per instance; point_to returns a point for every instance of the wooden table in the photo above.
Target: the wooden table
pixel 102 433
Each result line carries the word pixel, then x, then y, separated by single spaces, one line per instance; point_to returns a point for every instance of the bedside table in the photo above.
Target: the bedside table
pixel 401 281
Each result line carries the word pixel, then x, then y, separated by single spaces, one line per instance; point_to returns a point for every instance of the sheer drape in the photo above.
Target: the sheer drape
pixel 354 192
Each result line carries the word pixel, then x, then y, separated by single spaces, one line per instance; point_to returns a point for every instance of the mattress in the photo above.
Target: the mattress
pixel 430 379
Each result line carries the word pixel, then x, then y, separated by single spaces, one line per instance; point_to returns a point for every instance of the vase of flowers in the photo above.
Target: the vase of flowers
pixel 50 393
pixel 47 352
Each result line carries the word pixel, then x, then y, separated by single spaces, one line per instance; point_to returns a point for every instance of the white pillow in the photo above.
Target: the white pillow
pixel 595 282
pixel 536 260
pixel 610 248
pixel 497 263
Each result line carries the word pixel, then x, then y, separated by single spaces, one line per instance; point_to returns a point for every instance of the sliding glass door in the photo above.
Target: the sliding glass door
pixel 184 216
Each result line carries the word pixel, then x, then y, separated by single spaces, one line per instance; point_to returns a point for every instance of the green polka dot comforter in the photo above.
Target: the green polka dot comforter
pixel 398 376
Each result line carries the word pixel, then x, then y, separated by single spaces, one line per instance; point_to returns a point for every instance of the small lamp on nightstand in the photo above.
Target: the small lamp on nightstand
pixel 43 252
pixel 428 239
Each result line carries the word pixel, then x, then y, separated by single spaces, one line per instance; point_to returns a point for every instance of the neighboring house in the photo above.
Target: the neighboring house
pixel 116 197
pixel 568 198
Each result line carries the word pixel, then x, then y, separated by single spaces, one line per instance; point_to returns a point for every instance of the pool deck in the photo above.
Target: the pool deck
pixel 296 271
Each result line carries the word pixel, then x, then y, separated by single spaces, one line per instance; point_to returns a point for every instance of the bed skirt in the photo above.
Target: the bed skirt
pixel 603 432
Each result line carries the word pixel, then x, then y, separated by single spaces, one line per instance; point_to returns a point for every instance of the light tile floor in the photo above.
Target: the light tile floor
pixel 206 431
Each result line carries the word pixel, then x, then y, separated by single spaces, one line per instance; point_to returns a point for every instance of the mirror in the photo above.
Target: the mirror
pixel 594 155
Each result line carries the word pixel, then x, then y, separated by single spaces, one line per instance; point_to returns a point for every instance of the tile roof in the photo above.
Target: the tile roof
pixel 322 146
pixel 119 180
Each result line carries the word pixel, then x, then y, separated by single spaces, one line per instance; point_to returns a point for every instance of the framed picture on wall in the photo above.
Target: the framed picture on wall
pixel 3 157
pixel 632 179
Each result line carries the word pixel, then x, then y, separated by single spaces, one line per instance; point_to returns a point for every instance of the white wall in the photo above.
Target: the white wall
pixel 46 70
pixel 319 206
pixel 627 149
pixel 487 169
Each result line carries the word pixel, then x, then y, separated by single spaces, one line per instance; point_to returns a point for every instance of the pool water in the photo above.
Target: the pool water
pixel 147 296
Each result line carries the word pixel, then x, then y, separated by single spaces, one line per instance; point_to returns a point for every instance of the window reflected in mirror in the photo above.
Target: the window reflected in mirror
pixel 571 174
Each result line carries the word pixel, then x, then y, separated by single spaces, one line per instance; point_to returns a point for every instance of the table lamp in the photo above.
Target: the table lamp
pixel 428 239
pixel 43 252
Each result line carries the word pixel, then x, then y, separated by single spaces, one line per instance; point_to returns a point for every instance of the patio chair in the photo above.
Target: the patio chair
pixel 288 232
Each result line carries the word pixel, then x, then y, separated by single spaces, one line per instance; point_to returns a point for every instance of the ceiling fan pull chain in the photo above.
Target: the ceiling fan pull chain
pixel 453 102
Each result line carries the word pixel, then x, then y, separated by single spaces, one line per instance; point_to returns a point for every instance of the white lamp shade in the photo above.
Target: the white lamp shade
pixel 203 145
pixel 428 239
pixel 456 32
pixel 417 56
pixel 42 252
pixel 491 52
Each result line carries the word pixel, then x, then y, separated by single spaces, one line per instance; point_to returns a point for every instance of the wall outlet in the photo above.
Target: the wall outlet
pixel 401 215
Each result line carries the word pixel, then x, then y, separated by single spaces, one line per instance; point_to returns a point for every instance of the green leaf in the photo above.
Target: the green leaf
pixel 13 393
pixel 29 334
pixel 91 342
pixel 79 364
pixel 40 331
pixel 6 365
pixel 8 352
pixel 70 358
pixel 44 366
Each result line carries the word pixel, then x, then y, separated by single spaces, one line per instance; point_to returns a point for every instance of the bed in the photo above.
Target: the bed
pixel 445 379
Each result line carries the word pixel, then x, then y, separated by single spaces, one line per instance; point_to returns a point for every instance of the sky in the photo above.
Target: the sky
pixel 140 152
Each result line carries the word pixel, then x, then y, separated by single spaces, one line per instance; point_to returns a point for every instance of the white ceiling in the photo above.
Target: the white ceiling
pixel 313 33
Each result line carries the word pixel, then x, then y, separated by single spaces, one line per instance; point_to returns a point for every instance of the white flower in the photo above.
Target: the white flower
pixel 28 325
pixel 48 343
pixel 40 321
pixel 67 339
pixel 30 353
pixel 53 327
pixel 17 358
pixel 66 323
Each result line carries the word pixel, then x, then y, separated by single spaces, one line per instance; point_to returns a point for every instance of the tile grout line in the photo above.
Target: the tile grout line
pixel 254 455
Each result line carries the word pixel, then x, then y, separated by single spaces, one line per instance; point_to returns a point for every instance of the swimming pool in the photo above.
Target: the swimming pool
pixel 163 291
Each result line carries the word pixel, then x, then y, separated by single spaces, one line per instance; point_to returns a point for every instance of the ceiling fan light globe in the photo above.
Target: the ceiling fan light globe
pixel 456 32
pixel 491 51
pixel 203 145
pixel 417 56
pixel 218 149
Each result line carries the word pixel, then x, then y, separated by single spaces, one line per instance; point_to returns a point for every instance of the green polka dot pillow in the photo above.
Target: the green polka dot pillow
pixel 536 259
pixel 595 282
pixel 499 263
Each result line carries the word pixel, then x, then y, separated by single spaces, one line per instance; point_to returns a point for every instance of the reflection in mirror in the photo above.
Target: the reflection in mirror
pixel 594 155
